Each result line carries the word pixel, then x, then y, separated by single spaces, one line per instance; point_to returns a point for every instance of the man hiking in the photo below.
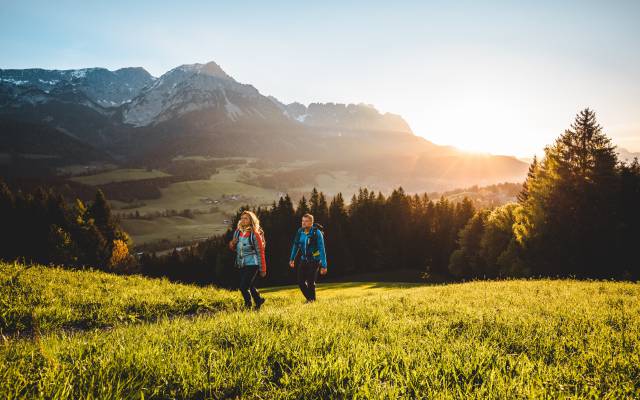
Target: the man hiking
pixel 309 244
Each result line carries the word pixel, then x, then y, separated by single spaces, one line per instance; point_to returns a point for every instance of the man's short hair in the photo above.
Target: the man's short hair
pixel 307 215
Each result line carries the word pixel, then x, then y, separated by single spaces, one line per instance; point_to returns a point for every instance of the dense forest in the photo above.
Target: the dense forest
pixel 42 227
pixel 576 215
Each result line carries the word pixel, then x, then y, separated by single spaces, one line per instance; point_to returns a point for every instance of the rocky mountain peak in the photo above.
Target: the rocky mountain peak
pixel 209 69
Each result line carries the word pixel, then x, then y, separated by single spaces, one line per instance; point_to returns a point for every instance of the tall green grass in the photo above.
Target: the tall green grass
pixel 511 339
pixel 39 299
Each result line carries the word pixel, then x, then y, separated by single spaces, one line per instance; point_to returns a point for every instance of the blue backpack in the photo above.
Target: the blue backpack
pixel 312 241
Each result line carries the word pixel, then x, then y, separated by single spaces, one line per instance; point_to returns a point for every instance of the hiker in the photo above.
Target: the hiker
pixel 309 243
pixel 248 243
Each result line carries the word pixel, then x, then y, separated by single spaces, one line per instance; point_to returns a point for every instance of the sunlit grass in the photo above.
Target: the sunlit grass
pixel 511 339
pixel 42 299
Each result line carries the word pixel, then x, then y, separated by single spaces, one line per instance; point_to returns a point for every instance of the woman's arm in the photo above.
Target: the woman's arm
pixel 262 259
pixel 234 241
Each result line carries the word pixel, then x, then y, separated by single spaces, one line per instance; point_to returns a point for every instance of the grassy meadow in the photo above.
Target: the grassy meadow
pixel 185 195
pixel 230 180
pixel 92 335
pixel 119 175
pixel 176 228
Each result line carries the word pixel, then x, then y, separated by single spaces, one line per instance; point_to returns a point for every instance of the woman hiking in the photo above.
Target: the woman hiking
pixel 248 243
pixel 309 243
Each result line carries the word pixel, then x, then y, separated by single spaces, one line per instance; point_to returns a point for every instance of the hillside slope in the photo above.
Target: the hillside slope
pixel 534 339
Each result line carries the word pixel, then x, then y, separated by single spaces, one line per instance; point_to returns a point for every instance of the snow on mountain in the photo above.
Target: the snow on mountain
pixel 346 116
pixel 626 155
pixel 336 117
pixel 139 99
pixel 195 87
pixel 103 87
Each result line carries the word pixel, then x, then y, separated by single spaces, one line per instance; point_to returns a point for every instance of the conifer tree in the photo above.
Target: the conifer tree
pixel 566 217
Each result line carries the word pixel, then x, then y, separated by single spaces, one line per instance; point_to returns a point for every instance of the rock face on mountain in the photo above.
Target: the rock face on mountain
pixel 196 87
pixel 103 87
pixel 358 117
pixel 131 96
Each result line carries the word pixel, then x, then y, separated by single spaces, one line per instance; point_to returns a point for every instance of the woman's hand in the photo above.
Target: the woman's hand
pixel 292 263
pixel 323 271
pixel 233 243
pixel 263 274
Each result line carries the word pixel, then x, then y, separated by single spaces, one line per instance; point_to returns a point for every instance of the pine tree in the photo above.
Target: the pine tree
pixel 566 220
pixel 628 221
pixel 466 262
pixel 524 193
pixel 318 206
pixel 8 217
pixel 100 212
pixel 314 200
pixel 302 208
pixel 339 254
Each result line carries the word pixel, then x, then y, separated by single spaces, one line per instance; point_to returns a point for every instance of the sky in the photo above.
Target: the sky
pixel 500 77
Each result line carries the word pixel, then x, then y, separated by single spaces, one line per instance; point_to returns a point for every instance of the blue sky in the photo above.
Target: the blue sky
pixel 500 77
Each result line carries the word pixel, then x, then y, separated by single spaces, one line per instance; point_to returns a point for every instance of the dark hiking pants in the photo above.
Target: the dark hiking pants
pixel 248 289
pixel 307 275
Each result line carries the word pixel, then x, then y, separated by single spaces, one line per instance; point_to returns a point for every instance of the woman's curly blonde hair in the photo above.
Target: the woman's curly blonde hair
pixel 253 218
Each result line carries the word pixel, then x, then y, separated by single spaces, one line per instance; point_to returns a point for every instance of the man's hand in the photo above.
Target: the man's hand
pixel 323 271
pixel 292 264
pixel 263 274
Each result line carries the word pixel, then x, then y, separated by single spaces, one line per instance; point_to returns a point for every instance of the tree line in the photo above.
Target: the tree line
pixel 42 227
pixel 374 233
pixel 577 215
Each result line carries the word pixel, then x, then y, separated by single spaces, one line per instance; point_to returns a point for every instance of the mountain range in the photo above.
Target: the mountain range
pixel 127 116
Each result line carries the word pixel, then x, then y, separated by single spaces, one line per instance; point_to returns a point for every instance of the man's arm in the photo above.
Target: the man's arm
pixel 321 249
pixel 294 248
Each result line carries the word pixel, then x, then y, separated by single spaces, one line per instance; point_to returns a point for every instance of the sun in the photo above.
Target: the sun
pixel 478 121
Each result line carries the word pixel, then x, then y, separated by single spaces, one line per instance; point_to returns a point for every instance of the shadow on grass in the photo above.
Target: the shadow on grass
pixel 348 285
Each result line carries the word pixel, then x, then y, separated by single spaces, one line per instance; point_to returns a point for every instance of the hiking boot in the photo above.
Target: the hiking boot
pixel 260 302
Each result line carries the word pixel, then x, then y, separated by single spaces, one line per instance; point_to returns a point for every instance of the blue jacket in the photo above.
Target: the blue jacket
pixel 249 250
pixel 309 248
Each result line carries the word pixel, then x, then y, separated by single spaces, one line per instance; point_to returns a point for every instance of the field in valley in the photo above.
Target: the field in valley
pixel 176 229
pixel 238 182
pixel 225 191
pixel 119 175
pixel 84 334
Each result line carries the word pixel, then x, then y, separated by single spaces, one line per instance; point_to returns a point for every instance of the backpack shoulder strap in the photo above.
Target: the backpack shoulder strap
pixel 315 228
pixel 262 238
pixel 252 237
